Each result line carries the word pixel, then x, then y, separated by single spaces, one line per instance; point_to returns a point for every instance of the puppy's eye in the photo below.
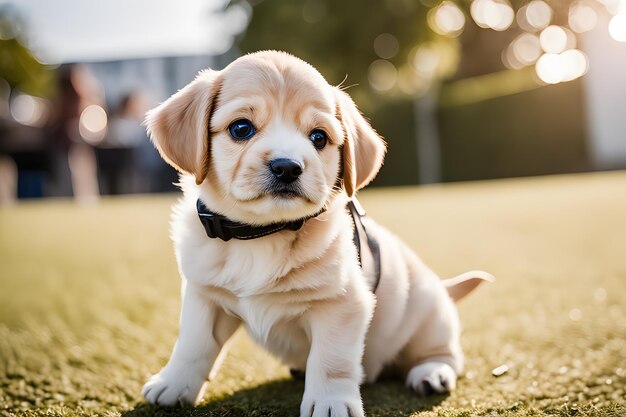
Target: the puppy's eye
pixel 319 138
pixel 241 129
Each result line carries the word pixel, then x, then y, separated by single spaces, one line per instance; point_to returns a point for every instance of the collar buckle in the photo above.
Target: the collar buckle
pixel 212 224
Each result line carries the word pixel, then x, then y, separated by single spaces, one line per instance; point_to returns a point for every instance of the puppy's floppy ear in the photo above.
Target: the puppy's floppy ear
pixel 363 148
pixel 179 127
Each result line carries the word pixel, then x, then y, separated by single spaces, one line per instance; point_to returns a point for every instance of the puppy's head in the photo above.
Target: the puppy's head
pixel 267 138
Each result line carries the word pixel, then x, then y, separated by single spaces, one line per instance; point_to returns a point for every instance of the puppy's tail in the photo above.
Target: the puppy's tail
pixel 461 285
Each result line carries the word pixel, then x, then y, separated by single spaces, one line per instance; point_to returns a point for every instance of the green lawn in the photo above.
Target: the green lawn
pixel 89 303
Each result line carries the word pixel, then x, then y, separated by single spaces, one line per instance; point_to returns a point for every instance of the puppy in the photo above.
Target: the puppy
pixel 271 156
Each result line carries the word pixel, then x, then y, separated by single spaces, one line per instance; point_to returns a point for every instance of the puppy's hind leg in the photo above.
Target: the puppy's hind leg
pixel 433 358
pixel 432 377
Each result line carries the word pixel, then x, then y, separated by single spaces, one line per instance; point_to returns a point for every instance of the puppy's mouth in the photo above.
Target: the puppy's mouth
pixel 286 194
pixel 287 191
pixel 280 193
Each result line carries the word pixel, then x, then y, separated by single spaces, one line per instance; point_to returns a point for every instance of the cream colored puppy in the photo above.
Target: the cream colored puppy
pixel 268 141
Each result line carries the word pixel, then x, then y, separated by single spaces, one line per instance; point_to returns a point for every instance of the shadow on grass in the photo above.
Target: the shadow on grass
pixel 282 398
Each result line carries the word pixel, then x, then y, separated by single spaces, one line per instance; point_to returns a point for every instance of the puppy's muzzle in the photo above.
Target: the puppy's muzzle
pixel 285 170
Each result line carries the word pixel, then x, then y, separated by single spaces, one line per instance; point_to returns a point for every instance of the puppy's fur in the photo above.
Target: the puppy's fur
pixel 301 294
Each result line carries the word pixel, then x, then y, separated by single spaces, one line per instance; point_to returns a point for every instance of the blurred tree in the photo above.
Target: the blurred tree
pixel 349 39
pixel 18 66
pixel 413 62
pixel 362 44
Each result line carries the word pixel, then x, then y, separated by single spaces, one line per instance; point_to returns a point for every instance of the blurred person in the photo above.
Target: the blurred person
pixel 127 161
pixel 116 152
pixel 73 161
pixel 153 174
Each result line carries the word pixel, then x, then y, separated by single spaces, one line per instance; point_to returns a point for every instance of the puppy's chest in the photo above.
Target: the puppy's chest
pixel 276 268
pixel 265 290
pixel 239 267
pixel 266 320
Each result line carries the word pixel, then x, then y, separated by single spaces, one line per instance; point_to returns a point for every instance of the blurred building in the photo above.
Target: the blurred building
pixel 605 87
pixel 139 52
pixel 157 77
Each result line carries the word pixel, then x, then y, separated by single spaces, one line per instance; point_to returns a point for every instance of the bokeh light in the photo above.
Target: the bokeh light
pixel 574 63
pixel 29 110
pixel 556 39
pixel 92 124
pixel 526 48
pixel 446 19
pixel 382 75
pixel 556 68
pixel 534 16
pixel 426 59
pixel 549 69
pixel 386 46
pixel 494 14
pixel 582 17
pixel 617 27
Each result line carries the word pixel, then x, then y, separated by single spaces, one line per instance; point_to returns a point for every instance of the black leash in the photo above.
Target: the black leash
pixel 357 212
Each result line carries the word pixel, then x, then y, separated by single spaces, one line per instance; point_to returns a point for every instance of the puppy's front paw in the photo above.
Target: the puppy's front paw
pixel 335 405
pixel 174 386
pixel 331 406
pixel 430 378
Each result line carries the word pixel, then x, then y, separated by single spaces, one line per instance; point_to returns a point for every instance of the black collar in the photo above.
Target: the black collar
pixel 218 226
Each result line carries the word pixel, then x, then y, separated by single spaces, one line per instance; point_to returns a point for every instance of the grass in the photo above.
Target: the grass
pixel 89 304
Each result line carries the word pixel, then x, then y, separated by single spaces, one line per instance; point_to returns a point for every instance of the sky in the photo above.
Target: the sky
pixel 101 30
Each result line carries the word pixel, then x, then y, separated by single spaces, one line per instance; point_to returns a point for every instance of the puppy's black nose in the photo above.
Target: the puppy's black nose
pixel 286 170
